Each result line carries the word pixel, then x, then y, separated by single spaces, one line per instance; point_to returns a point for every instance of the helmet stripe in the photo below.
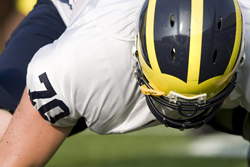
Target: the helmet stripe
pixel 195 40
pixel 150 36
pixel 238 38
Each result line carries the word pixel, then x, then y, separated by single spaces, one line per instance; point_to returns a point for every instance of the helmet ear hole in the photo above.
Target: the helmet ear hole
pixel 173 54
pixel 214 56
pixel 172 20
pixel 219 23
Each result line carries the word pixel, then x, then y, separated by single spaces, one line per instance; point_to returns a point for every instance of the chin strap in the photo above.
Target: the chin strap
pixel 146 91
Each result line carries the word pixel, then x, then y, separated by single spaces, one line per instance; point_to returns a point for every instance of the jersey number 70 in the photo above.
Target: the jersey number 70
pixel 49 93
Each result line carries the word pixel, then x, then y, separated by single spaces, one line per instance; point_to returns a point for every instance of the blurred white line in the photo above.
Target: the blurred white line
pixel 222 145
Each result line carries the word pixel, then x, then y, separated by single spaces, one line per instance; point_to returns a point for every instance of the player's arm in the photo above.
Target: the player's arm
pixel 234 121
pixel 29 140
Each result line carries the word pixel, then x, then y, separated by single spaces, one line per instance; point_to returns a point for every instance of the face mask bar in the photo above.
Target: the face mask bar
pixel 209 108
pixel 181 125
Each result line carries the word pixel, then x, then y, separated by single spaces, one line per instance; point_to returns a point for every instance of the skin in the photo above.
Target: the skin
pixel 5 118
pixel 29 140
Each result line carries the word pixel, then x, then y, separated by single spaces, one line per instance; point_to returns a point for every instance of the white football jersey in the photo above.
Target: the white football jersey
pixel 88 71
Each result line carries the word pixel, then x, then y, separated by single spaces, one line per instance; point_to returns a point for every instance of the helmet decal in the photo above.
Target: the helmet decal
pixel 195 40
pixel 177 37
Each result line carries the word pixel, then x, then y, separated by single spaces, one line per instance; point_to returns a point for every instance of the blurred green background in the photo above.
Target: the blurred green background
pixel 157 146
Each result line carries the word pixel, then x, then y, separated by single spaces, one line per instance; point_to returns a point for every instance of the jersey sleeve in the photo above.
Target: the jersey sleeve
pixel 46 82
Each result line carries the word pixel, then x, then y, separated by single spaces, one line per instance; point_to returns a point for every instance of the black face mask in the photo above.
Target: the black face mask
pixel 195 114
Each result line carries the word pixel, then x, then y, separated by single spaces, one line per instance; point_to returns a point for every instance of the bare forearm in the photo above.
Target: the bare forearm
pixel 29 140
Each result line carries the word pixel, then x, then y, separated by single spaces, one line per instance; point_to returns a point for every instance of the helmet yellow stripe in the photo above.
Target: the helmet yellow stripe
pixel 195 40
pixel 238 36
pixel 150 36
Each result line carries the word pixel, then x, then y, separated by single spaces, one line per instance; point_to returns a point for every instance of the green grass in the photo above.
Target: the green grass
pixel 152 147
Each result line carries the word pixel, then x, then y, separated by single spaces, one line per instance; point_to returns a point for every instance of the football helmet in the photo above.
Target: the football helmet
pixel 187 53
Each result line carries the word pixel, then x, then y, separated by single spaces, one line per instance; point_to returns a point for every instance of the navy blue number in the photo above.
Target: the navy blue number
pixel 48 93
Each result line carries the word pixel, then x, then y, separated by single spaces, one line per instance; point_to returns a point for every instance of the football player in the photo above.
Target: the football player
pixel 187 62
